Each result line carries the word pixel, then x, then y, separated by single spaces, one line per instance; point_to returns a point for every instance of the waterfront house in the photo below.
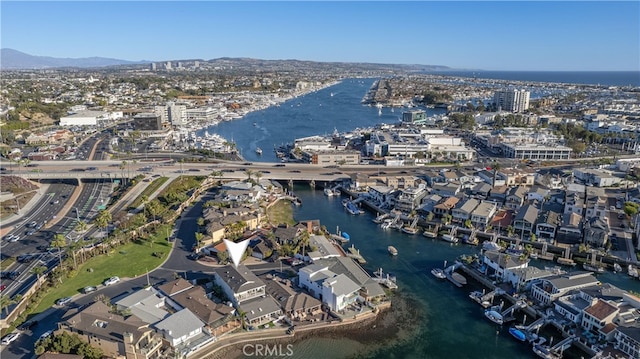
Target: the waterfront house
pixel 596 231
pixel 571 230
pixel 296 304
pixel 571 306
pixel 502 266
pixel 362 181
pixel 402 182
pixel 286 234
pixel 335 290
pixel 339 292
pixel 239 284
pixel 428 203
pixel 546 224
pixel 463 210
pixel 214 315
pixel 522 278
pixel 516 197
pixel 482 214
pixel 525 220
pixel 182 329
pixel 599 314
pixel 550 289
pixel 445 206
pixel 324 248
pixel 382 196
pixel 410 199
pixel 628 340
pixel 261 310
pixel 118 336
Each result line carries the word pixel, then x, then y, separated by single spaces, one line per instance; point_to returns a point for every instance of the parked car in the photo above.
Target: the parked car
pixel 9 338
pixel 112 280
pixel 63 301
pixel 89 289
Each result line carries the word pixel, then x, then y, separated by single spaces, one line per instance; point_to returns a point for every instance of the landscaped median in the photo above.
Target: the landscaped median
pixel 130 260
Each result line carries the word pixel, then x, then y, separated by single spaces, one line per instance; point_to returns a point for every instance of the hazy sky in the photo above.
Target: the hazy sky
pixel 503 35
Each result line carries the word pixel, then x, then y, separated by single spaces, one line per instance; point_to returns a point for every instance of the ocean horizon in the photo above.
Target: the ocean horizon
pixel 602 78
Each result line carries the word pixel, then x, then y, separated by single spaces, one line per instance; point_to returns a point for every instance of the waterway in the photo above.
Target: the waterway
pixel 318 113
pixel 450 325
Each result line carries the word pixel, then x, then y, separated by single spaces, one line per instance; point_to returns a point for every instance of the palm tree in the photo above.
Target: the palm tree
pixel 38 271
pixel 59 241
pixel 5 302
pixel 496 167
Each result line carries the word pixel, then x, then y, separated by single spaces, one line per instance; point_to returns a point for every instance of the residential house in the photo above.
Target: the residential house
pixel 335 290
pixel 574 199
pixel 516 197
pixel 181 328
pixel 429 202
pixel 599 314
pixel 362 181
pixel 446 190
pixel 503 265
pixel 596 231
pixel 147 304
pixel 445 206
pixel 488 177
pixel 239 284
pixel 597 177
pixel 324 248
pixel 596 203
pixel 296 304
pixel 482 189
pixel 628 340
pixel 552 288
pixel 286 234
pixel 463 210
pixel 261 310
pixel 382 196
pixel 482 214
pixel 514 177
pixel 409 199
pixel 538 194
pixel 571 230
pixel 403 182
pixel 524 222
pixel 546 225
pixel 499 194
pixel 118 336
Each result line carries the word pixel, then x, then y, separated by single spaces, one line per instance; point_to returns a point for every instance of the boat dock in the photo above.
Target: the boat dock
pixel 457 279
pixel 507 314
pixel 385 279
pixel 355 254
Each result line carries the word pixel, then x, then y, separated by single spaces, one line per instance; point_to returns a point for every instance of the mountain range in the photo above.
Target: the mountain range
pixel 11 59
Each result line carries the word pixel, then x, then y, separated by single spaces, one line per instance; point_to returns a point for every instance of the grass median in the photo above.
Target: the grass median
pixel 130 260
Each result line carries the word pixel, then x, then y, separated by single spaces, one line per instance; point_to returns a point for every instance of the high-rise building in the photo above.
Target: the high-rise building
pixel 512 100
pixel 177 114
pixel 153 66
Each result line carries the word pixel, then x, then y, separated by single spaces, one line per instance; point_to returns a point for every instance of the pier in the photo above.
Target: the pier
pixel 385 280
pixel 457 279
pixel 355 254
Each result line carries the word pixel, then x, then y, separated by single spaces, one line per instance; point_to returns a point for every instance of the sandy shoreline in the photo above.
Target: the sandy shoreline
pixel 395 324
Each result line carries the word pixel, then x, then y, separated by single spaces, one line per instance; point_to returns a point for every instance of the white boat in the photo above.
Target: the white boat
pixel 593 268
pixel 449 238
pixel 617 268
pixel 491 246
pixel 494 316
pixel 392 250
pixel 387 223
pixel 259 150
pixel 410 230
pixel 438 273
pixel 329 192
pixel 633 271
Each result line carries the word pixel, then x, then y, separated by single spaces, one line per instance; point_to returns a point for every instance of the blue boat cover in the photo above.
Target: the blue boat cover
pixel 345 235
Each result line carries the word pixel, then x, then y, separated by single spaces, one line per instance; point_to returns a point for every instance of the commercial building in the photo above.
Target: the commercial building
pixel 536 152
pixel 84 118
pixel 512 100
pixel 147 122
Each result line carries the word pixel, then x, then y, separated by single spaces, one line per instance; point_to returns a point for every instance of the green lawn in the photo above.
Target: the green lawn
pixel 129 260
pixel 281 213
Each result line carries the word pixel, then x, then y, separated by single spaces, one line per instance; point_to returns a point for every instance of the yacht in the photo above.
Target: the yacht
pixel 449 238
pixel 438 273
pixel 259 150
pixel 494 316
pixel 392 250
pixel 491 246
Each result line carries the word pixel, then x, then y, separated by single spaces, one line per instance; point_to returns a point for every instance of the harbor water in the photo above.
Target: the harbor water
pixel 444 322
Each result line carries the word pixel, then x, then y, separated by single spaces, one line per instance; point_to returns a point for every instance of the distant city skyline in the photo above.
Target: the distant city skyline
pixel 513 36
